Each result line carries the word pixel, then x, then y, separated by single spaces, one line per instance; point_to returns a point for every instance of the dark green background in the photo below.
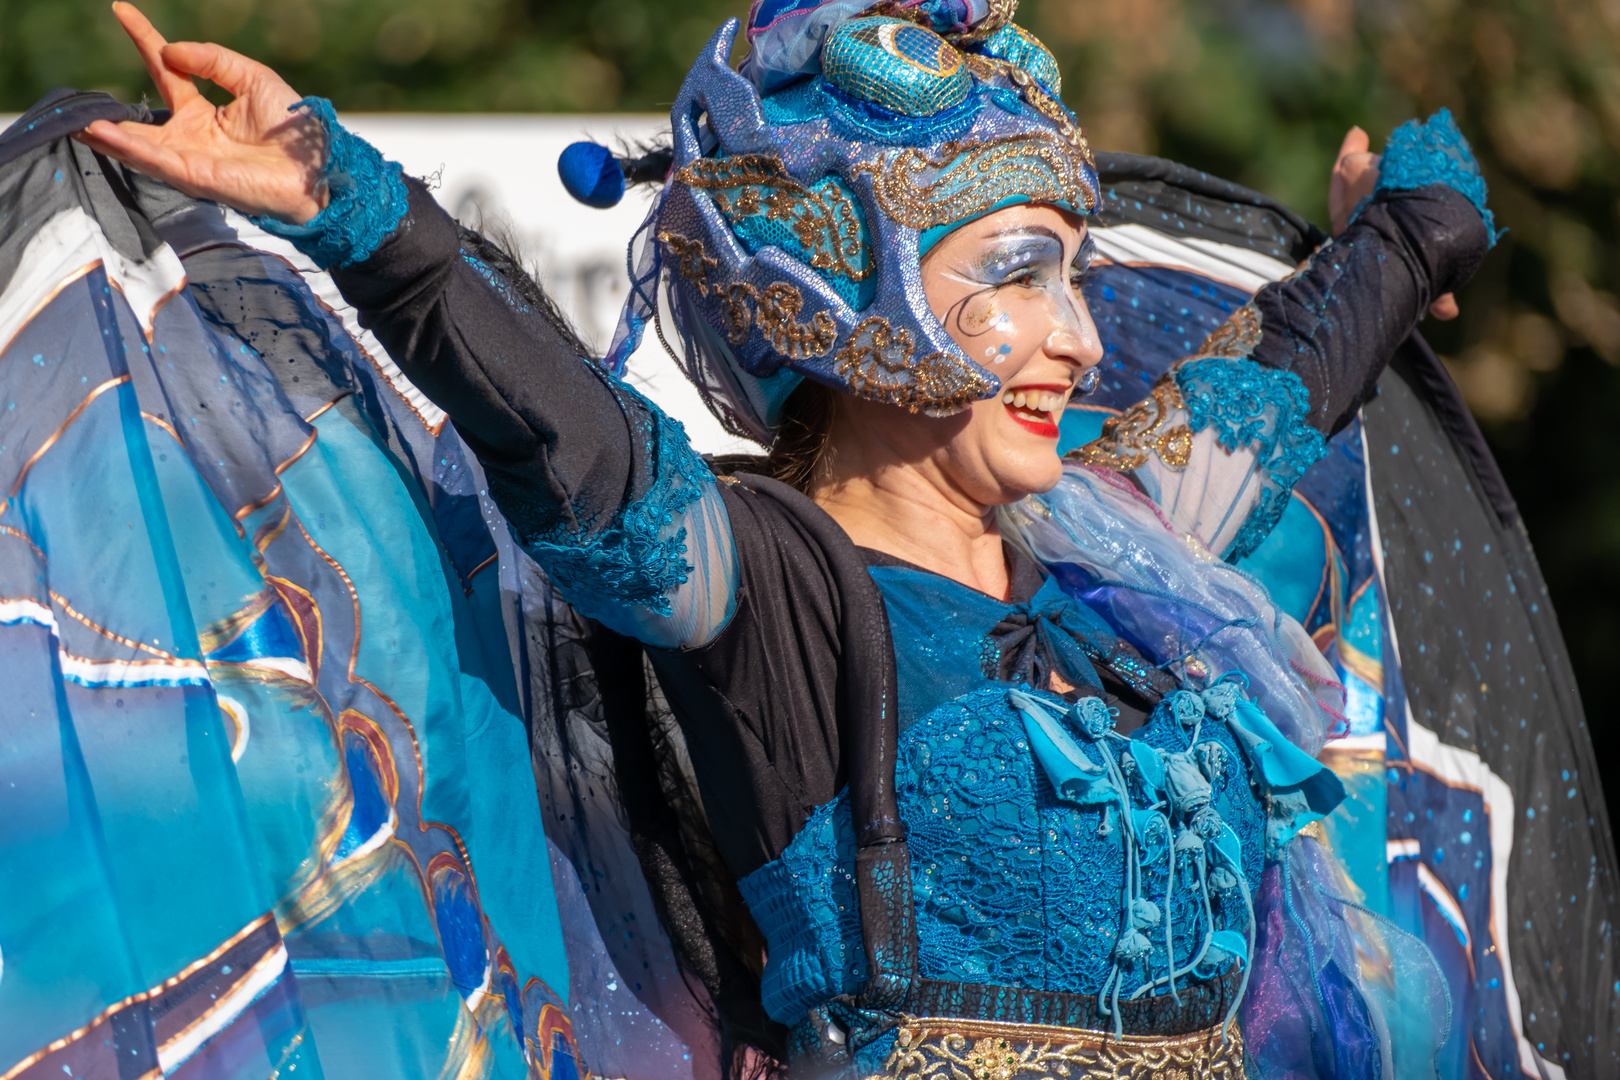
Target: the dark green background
pixel 1257 92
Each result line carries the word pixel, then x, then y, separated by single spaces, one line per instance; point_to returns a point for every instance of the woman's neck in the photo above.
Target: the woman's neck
pixel 900 511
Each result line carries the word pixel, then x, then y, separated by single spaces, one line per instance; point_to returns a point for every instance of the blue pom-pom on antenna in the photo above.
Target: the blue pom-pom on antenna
pixel 591 174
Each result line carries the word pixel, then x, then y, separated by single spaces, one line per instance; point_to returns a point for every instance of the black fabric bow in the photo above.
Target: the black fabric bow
pixel 1050 634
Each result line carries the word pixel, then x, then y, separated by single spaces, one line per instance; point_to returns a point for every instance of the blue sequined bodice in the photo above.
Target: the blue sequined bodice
pixel 1021 878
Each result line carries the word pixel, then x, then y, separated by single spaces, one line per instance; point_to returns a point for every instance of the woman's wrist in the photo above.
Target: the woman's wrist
pixel 1434 151
pixel 361 196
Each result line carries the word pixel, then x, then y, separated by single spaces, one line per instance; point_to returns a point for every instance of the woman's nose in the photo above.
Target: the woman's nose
pixel 1074 336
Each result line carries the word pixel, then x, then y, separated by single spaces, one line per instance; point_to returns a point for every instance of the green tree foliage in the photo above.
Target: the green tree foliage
pixel 1260 91
pixel 417 55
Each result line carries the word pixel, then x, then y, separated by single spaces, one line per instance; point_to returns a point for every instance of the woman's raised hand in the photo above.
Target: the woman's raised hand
pixel 1355 176
pixel 252 154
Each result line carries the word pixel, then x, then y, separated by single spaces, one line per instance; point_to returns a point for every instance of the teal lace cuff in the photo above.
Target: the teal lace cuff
pixel 641 557
pixel 1262 409
pixel 366 198
pixel 1435 151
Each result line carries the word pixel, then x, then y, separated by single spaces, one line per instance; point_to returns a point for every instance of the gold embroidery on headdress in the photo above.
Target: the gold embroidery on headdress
pixel 695 265
pixel 985 68
pixel 921 189
pixel 1149 426
pixel 776 310
pixel 875 363
pixel 1053 110
pixel 823 218
pixel 876 360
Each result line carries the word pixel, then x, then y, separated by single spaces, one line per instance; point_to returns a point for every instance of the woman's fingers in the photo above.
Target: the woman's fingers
pixel 1356 141
pixel 1445 308
pixel 231 71
pixel 176 88
pixel 138 146
pixel 1355 176
pixel 106 137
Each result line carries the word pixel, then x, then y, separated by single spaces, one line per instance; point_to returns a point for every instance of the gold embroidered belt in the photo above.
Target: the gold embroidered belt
pixel 929 1048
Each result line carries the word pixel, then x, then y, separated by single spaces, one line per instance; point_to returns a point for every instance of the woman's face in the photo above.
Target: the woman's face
pixel 1007 289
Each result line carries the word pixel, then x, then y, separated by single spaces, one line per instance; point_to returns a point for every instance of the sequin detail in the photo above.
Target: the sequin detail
pixel 1047 104
pixel 895 64
pixel 922 189
pixel 1022 49
pixel 366 197
pixel 875 363
pixel 822 225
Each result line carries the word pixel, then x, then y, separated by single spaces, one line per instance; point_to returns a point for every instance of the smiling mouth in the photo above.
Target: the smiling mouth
pixel 1036 408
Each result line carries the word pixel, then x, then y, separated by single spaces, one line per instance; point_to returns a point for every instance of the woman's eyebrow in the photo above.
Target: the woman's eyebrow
pixel 1027 231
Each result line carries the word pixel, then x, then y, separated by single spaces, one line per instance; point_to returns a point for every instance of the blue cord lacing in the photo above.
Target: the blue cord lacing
pixel 1176 785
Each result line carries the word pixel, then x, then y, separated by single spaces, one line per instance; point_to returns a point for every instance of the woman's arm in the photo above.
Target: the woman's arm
pixel 1227 432
pixel 597 484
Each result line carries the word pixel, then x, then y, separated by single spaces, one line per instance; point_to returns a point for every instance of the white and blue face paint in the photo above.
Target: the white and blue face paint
pixel 1016 291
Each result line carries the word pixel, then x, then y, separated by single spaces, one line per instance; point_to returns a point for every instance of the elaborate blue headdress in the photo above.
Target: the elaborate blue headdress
pixel 804 189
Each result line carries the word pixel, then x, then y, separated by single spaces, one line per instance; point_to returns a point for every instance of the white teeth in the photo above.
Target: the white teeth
pixel 1036 401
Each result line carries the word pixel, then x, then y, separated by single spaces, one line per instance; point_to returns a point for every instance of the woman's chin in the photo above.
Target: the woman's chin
pixel 1028 472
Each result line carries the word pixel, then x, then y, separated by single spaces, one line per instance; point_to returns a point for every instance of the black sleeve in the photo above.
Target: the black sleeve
pixel 803 672
pixel 1337 323
pixel 760 705
pixel 554 432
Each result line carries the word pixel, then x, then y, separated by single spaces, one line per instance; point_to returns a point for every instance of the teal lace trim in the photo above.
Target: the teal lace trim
pixel 366 198
pixel 804 903
pixel 1258 407
pixel 1435 151
pixel 637 560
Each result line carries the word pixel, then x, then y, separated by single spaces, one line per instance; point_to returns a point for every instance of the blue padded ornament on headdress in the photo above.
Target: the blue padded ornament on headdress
pixel 805 188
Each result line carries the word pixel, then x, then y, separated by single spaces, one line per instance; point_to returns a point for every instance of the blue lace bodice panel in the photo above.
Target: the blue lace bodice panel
pixel 1016 882
pixel 1014 886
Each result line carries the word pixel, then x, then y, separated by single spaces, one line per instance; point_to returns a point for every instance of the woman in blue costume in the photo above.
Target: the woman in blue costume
pixel 1013 774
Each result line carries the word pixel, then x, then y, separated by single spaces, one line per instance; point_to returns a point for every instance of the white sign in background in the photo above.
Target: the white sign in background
pixel 498 174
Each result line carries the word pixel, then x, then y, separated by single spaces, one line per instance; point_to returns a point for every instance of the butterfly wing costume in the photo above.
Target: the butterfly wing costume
pixel 326 547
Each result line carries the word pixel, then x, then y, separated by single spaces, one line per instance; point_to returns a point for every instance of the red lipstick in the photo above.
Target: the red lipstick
pixel 1044 428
